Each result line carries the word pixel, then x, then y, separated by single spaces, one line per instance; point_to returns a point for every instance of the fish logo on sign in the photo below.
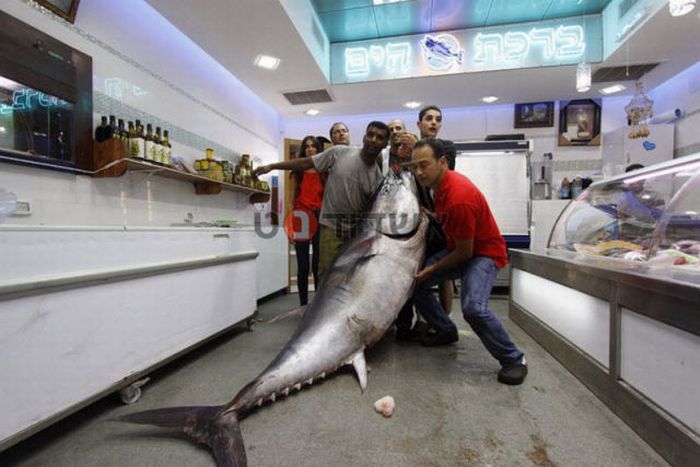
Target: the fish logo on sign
pixel 442 51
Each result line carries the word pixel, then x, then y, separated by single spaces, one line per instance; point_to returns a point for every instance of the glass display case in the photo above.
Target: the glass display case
pixel 648 217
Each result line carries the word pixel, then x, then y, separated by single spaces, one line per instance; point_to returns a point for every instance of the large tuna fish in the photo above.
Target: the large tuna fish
pixel 357 301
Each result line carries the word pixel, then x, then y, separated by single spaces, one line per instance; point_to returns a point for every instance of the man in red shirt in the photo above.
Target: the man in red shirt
pixel 475 252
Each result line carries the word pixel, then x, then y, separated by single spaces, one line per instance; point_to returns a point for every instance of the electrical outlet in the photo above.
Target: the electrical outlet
pixel 23 209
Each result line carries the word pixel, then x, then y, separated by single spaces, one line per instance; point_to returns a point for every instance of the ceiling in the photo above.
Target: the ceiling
pixel 353 20
pixel 234 32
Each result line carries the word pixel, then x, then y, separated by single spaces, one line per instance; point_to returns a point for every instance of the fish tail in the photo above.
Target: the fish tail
pixel 205 425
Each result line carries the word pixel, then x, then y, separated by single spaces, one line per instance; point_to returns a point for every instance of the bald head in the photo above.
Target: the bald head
pixel 395 127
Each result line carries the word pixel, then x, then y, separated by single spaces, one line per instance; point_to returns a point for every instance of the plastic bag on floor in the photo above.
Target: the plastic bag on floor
pixel 8 203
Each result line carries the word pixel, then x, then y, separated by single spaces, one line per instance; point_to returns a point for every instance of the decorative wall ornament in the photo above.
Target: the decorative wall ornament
pixel 639 111
pixel 579 122
pixel 534 115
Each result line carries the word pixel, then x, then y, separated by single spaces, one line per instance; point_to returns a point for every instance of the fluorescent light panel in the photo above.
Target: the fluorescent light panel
pixel 489 99
pixel 267 61
pixel 412 105
pixel 613 89
pixel 312 112
pixel 383 2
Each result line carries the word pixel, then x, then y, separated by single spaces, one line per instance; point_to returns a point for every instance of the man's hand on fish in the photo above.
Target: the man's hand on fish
pixel 424 273
pixel 406 142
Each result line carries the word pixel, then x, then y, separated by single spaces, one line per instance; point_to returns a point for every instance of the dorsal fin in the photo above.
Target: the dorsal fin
pixel 358 362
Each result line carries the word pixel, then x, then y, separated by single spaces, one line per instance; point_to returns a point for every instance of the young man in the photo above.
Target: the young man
pixel 475 252
pixel 429 123
pixel 340 135
pixel 353 175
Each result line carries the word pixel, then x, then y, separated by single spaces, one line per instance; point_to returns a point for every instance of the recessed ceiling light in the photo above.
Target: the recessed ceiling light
pixel 266 61
pixel 613 89
pixel 412 105
pixel 312 112
pixel 489 99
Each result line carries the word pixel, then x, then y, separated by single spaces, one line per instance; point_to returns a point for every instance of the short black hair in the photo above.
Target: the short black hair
pixel 434 144
pixel 423 111
pixel 381 125
pixel 330 132
pixel 323 140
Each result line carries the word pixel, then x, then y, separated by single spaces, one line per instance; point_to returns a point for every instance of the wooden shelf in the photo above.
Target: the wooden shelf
pixel 111 166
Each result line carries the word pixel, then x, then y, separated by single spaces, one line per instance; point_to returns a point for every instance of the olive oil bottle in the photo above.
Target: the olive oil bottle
pixel 168 149
pixel 137 144
pixel 149 146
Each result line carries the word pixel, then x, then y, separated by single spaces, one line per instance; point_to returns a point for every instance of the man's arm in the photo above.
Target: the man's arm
pixel 300 164
pixel 463 252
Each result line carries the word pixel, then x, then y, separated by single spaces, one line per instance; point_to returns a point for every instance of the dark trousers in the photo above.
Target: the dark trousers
pixel 302 251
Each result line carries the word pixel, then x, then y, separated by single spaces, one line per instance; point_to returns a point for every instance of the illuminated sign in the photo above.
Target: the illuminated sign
pixel 547 43
pixel 115 87
pixel 29 99
pixel 393 57
pixel 442 51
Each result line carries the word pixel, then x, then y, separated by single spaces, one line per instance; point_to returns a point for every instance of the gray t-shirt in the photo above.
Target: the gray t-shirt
pixel 350 184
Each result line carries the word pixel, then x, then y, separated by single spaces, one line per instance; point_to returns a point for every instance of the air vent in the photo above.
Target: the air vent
pixel 620 73
pixel 308 97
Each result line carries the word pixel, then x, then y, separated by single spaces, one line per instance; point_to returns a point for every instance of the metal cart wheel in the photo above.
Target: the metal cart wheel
pixel 132 392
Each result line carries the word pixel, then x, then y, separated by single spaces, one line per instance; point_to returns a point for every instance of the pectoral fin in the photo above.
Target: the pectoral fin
pixel 360 365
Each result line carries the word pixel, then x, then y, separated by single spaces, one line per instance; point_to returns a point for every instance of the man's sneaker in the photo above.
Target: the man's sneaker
pixel 407 335
pixel 514 373
pixel 439 338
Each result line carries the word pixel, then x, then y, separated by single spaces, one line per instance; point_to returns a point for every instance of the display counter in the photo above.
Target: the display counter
pixel 616 299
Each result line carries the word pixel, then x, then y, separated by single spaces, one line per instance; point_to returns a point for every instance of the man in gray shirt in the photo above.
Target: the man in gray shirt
pixel 353 175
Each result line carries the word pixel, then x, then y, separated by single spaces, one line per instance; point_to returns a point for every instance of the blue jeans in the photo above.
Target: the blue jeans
pixel 477 277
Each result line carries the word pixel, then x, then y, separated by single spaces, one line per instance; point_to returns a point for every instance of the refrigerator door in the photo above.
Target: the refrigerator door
pixel 504 181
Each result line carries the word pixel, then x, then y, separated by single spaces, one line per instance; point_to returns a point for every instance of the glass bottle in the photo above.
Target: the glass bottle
pixel 168 149
pixel 137 144
pixel 149 146
pixel 100 130
pixel 160 153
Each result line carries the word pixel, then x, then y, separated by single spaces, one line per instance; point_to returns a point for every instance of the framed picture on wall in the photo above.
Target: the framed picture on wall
pixel 66 9
pixel 534 115
pixel 579 122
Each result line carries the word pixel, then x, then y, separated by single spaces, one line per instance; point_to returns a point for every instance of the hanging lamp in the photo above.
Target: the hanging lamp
pixel 583 77
pixel 639 111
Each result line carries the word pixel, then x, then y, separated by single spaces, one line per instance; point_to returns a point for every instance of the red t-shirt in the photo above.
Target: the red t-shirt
pixel 465 215
pixel 310 195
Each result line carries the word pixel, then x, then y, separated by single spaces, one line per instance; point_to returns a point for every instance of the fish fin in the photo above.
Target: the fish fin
pixel 204 425
pixel 298 311
pixel 360 365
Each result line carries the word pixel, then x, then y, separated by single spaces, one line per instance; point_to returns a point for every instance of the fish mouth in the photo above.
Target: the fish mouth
pixel 402 236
